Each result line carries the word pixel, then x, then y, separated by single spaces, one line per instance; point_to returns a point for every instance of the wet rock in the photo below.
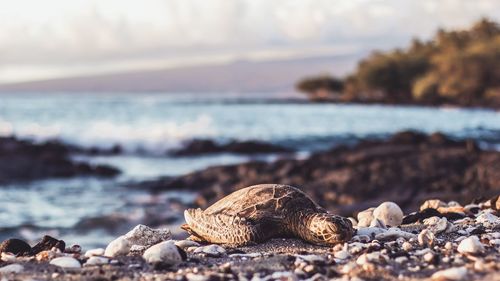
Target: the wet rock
pixel 166 253
pixel 15 246
pixel 389 213
pixel 365 217
pixel 66 262
pixel 201 146
pixel 145 236
pixel 450 274
pixel 47 243
pixel 118 247
pixel 470 245
pixel 94 252
pixel 12 268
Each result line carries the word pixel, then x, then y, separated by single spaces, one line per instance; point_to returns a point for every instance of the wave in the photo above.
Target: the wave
pixel 152 138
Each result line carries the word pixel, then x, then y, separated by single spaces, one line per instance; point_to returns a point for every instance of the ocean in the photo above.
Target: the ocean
pixel 147 125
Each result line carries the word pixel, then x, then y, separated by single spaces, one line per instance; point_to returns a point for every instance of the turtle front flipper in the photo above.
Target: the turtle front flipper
pixel 222 229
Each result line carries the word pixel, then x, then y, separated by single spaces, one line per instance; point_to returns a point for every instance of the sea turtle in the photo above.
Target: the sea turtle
pixel 257 213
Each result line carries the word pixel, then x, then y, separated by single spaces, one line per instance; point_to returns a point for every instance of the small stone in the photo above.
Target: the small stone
pixel 143 235
pixel 429 257
pixel 452 274
pixel 8 257
pixel 211 250
pixel 15 246
pixel 48 255
pixel 426 238
pixel 487 218
pixel 343 254
pixel 436 224
pixel 401 259
pixel 165 253
pixel 186 244
pixel 448 246
pixel 94 252
pixel 12 268
pixel 470 245
pixel 389 213
pixel 365 217
pixel 393 233
pixel 74 249
pixel 433 203
pixel 407 246
pixel 66 262
pixel 118 247
pixel 197 277
pixel 97 260
pixel 369 231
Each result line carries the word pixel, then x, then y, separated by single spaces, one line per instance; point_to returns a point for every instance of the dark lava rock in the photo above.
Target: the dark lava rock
pixel 421 216
pixel 407 169
pixel 204 146
pixel 47 244
pixel 22 160
pixel 15 246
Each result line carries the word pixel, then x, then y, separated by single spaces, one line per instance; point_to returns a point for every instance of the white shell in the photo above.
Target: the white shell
pixel 389 213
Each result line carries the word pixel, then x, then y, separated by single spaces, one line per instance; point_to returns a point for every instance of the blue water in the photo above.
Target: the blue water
pixel 147 125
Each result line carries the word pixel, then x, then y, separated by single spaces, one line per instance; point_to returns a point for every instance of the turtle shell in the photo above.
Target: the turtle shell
pixel 264 201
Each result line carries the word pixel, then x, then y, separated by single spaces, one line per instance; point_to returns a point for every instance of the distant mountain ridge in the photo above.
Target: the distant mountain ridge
pixel 238 76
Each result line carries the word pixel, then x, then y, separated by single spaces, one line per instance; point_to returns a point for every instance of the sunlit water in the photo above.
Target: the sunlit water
pixel 147 125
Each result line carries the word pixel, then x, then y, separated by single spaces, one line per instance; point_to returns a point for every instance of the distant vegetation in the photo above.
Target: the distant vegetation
pixel 455 67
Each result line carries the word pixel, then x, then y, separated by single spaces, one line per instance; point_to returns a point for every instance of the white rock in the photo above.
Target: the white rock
pixel 448 245
pixel 186 244
pixel 165 252
pixel 426 238
pixel 428 257
pixel 487 218
pixel 145 236
pixel 470 245
pixel 342 254
pixel 93 260
pixel 12 268
pixel 354 222
pixel 393 233
pixel 389 213
pixel 369 231
pixel 196 277
pixel 310 258
pixel 284 275
pixel 7 257
pixel 94 252
pixel 377 223
pixel 66 262
pixel 401 259
pixel 454 274
pixel 436 224
pixel 212 250
pixel 365 217
pixel 118 247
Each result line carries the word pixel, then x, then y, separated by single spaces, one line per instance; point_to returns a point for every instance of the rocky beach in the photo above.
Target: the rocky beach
pixel 444 224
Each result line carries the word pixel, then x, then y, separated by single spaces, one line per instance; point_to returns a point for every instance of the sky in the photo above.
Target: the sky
pixel 60 38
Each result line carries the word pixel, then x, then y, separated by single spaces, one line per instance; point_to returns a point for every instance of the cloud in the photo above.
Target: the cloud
pixel 60 37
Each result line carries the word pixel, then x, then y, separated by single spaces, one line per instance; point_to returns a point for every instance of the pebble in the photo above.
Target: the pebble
pixel 470 245
pixel 12 268
pixel 453 274
pixel 401 259
pixel 66 262
pixel 94 252
pixel 342 254
pixel 365 217
pixel 118 247
pixel 448 245
pixel 7 257
pixel 211 250
pixel 183 244
pixel 165 252
pixel 436 224
pixel 389 213
pixel 487 218
pixel 196 277
pixel 426 238
pixel 393 233
pixel 407 246
pixel 143 235
pixel 97 260
pixel 369 231
pixel 429 257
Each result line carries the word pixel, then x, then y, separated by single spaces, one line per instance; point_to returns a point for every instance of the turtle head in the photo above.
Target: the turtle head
pixel 327 229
